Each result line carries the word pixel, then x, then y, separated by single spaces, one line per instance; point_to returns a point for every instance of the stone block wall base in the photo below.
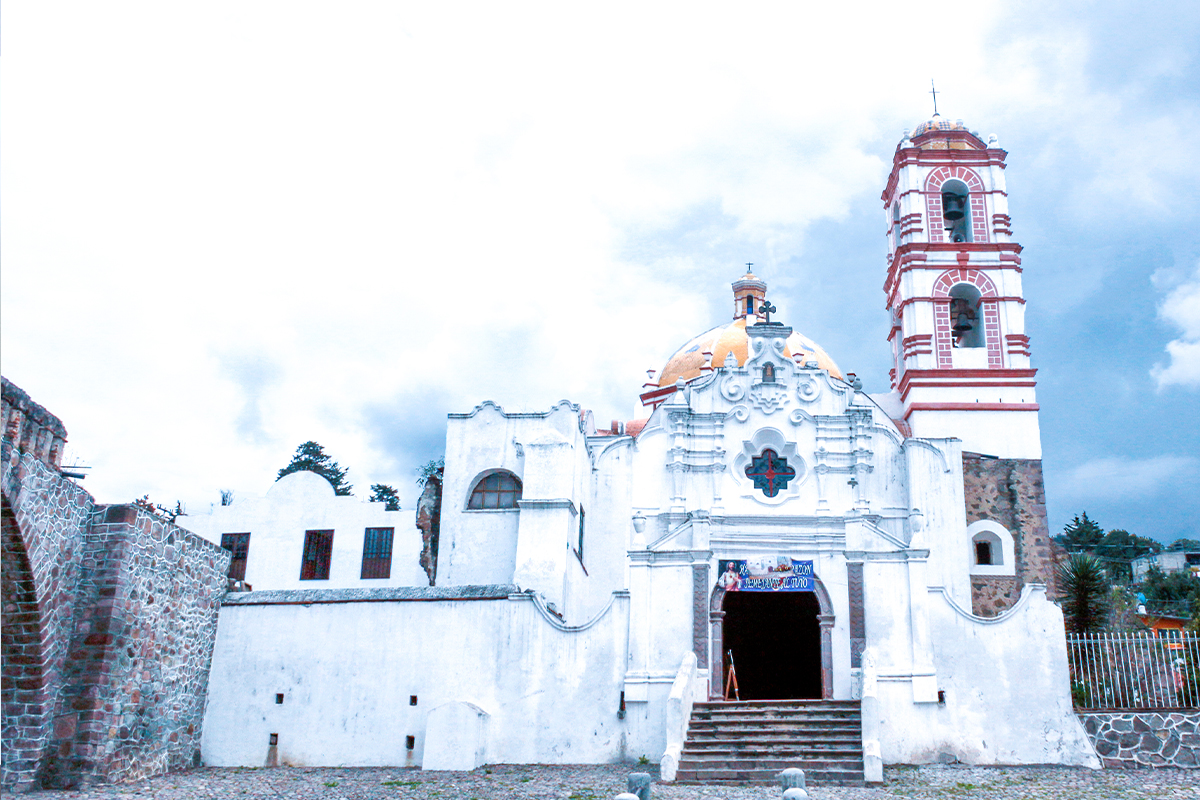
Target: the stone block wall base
pixel 1133 739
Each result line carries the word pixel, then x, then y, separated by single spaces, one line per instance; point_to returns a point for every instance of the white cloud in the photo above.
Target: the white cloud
pixel 1181 308
pixel 1130 477
pixel 233 226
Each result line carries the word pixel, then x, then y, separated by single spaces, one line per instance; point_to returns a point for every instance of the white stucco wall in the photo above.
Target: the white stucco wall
pixel 347 671
pixel 1007 692
pixel 304 501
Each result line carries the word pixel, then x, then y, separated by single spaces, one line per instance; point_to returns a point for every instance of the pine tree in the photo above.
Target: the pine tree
pixel 311 456
pixel 1080 534
pixel 382 493
pixel 1085 593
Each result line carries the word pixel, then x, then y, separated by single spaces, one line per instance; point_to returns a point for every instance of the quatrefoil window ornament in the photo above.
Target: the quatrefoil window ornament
pixel 769 472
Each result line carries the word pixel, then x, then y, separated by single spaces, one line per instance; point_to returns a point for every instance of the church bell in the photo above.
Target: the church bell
pixel 962 324
pixel 953 206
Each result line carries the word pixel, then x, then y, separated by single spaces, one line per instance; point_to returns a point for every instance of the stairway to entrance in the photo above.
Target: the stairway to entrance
pixel 751 742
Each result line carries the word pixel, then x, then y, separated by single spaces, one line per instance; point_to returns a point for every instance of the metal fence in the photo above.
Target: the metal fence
pixel 1134 670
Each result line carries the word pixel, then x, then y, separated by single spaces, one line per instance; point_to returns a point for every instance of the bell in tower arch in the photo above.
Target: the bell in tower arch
pixel 955 210
pixel 954 206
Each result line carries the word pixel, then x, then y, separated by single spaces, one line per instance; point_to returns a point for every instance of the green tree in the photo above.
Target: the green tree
pixel 382 493
pixel 1118 548
pixel 1086 593
pixel 433 468
pixel 1185 544
pixel 1080 534
pixel 311 457
pixel 1174 594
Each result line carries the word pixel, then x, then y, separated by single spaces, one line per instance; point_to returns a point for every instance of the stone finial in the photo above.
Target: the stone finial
pixel 730 360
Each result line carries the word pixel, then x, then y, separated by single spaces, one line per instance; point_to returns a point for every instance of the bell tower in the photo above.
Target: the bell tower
pixel 960 354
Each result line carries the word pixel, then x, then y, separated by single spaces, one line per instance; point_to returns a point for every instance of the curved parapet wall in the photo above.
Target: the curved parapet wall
pixel 1004 686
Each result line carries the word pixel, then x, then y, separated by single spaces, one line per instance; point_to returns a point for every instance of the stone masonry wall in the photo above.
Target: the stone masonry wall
pixel 1010 492
pixel 44 520
pixel 133 699
pixel 429 518
pixel 109 619
pixel 1145 738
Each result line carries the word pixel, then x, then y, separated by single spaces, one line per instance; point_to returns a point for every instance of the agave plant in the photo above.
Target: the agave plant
pixel 1086 594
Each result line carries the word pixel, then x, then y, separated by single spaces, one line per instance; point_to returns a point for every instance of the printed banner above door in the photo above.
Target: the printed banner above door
pixel 765 574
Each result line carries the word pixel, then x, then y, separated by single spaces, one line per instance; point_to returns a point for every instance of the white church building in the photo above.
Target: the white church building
pixel 769 532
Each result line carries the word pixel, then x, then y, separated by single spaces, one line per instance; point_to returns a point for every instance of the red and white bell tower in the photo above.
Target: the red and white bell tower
pixel 960 353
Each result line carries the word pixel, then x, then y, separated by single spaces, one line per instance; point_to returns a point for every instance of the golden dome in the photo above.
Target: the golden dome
pixel 688 360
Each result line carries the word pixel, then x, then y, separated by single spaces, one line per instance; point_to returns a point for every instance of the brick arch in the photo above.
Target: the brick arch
pixel 23 692
pixel 935 179
pixel 977 203
pixel 952 277
pixel 825 619
pixel 989 308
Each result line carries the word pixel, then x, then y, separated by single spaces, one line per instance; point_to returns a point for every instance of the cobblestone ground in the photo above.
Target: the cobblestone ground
pixel 604 782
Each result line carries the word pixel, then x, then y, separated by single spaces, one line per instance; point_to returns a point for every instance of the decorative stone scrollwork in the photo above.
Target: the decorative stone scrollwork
pixel 739 412
pixel 770 397
pixel 732 388
pixel 798 416
pixel 808 389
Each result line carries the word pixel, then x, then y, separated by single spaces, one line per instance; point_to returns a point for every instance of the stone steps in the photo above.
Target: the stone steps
pixel 751 742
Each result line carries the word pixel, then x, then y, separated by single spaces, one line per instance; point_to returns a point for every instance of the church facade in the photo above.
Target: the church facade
pixel 768 530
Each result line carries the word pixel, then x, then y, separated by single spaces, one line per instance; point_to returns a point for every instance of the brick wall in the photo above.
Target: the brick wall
pixel 1010 492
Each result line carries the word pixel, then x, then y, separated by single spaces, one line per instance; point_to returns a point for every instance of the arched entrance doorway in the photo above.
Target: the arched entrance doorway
pixel 781 643
pixel 775 642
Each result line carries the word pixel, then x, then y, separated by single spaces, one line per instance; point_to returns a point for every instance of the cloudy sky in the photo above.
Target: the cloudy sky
pixel 230 227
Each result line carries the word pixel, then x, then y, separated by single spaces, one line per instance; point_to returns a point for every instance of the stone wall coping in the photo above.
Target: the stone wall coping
pixel 498 591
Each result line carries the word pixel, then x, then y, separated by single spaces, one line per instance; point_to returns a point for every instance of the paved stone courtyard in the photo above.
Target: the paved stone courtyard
pixel 603 782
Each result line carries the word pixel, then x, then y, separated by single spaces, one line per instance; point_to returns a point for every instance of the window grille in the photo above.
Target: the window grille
pixel 318 549
pixel 239 545
pixel 498 490
pixel 377 553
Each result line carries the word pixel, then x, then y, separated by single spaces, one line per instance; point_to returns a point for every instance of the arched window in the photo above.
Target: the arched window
pixel 496 490
pixel 956 210
pixel 992 551
pixel 749 304
pixel 966 317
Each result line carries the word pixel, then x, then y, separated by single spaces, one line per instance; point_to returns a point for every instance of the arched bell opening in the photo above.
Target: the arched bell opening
pixel 956 211
pixel 22 725
pixel 781 643
pixel 966 316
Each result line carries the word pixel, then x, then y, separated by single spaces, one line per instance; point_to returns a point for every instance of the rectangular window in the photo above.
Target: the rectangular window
pixel 377 553
pixel 239 545
pixel 318 548
pixel 580 551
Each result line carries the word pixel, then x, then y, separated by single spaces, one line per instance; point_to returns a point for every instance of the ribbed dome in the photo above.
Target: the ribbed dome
pixel 937 123
pixel 731 337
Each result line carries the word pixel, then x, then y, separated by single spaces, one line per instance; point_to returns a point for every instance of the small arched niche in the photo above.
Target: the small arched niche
pixel 966 316
pixel 992 550
pixel 956 210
